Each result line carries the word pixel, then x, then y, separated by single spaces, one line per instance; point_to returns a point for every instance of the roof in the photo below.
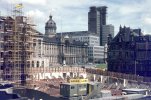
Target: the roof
pixel 134 89
pixel 50 23
pixel 76 33
pixel 93 83
pixel 105 91
pixel 127 32
pixel 51 40
pixel 129 97
pixel 110 98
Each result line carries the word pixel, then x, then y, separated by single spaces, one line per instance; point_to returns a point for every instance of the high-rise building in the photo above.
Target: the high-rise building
pixel 94 20
pixel 102 10
pixel 97 23
pixel 106 30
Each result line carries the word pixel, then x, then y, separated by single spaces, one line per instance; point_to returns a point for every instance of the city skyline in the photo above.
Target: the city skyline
pixel 73 15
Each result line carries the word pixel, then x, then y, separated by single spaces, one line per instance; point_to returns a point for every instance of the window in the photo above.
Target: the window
pixel 34 44
pixel 0 27
pixel 32 64
pixel 37 63
pixel 28 64
pixel 72 87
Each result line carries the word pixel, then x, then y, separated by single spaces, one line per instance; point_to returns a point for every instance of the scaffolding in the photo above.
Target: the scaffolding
pixel 17 46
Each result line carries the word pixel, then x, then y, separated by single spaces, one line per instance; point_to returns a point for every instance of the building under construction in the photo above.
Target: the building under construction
pixel 23 48
pixel 16 41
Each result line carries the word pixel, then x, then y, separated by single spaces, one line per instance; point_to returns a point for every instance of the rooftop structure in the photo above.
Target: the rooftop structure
pixel 50 27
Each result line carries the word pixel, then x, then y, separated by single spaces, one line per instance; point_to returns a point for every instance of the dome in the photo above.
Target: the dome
pixel 50 23
pixel 50 27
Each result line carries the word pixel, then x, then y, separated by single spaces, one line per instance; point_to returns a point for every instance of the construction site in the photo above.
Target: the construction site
pixel 17 42
pixel 16 57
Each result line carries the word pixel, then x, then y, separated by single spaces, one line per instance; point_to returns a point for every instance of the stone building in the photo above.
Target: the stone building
pixel 22 47
pixel 53 50
pixel 95 52
pixel 130 52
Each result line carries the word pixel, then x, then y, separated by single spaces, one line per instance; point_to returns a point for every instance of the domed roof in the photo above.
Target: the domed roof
pixel 50 23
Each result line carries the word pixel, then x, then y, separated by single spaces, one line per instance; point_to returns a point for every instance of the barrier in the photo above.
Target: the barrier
pixel 119 75
pixel 35 70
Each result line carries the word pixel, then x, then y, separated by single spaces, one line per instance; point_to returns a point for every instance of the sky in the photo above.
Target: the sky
pixel 72 15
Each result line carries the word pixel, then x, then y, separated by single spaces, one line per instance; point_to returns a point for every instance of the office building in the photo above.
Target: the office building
pixel 97 23
pixel 95 51
pixel 96 54
pixel 106 30
pixel 96 18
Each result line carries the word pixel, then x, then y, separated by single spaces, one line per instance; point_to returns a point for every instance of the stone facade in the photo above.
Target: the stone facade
pixel 53 50
pixel 129 52
pixel 96 53
pixel 28 48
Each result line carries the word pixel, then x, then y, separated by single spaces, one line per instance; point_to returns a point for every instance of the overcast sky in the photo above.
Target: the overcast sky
pixel 72 15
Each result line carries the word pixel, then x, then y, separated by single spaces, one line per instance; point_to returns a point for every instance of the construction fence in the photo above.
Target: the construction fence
pixel 119 75
pixel 56 69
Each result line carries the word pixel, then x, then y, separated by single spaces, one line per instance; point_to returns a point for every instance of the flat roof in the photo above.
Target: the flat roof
pixel 93 83
pixel 73 83
pixel 105 91
pixel 134 89
pixel 131 96
pixel 109 98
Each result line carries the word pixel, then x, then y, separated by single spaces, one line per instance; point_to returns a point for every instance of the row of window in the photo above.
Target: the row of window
pixel 37 64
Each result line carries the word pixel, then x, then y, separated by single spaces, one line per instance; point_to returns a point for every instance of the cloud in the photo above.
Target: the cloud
pixel 147 21
pixel 32 13
pixel 71 15
pixel 35 2
pixel 30 2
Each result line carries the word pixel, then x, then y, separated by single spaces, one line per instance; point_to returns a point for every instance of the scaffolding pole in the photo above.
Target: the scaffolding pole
pixel 17 46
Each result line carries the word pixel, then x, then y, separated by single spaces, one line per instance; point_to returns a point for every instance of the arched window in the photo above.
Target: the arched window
pixel 32 65
pixel 37 63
